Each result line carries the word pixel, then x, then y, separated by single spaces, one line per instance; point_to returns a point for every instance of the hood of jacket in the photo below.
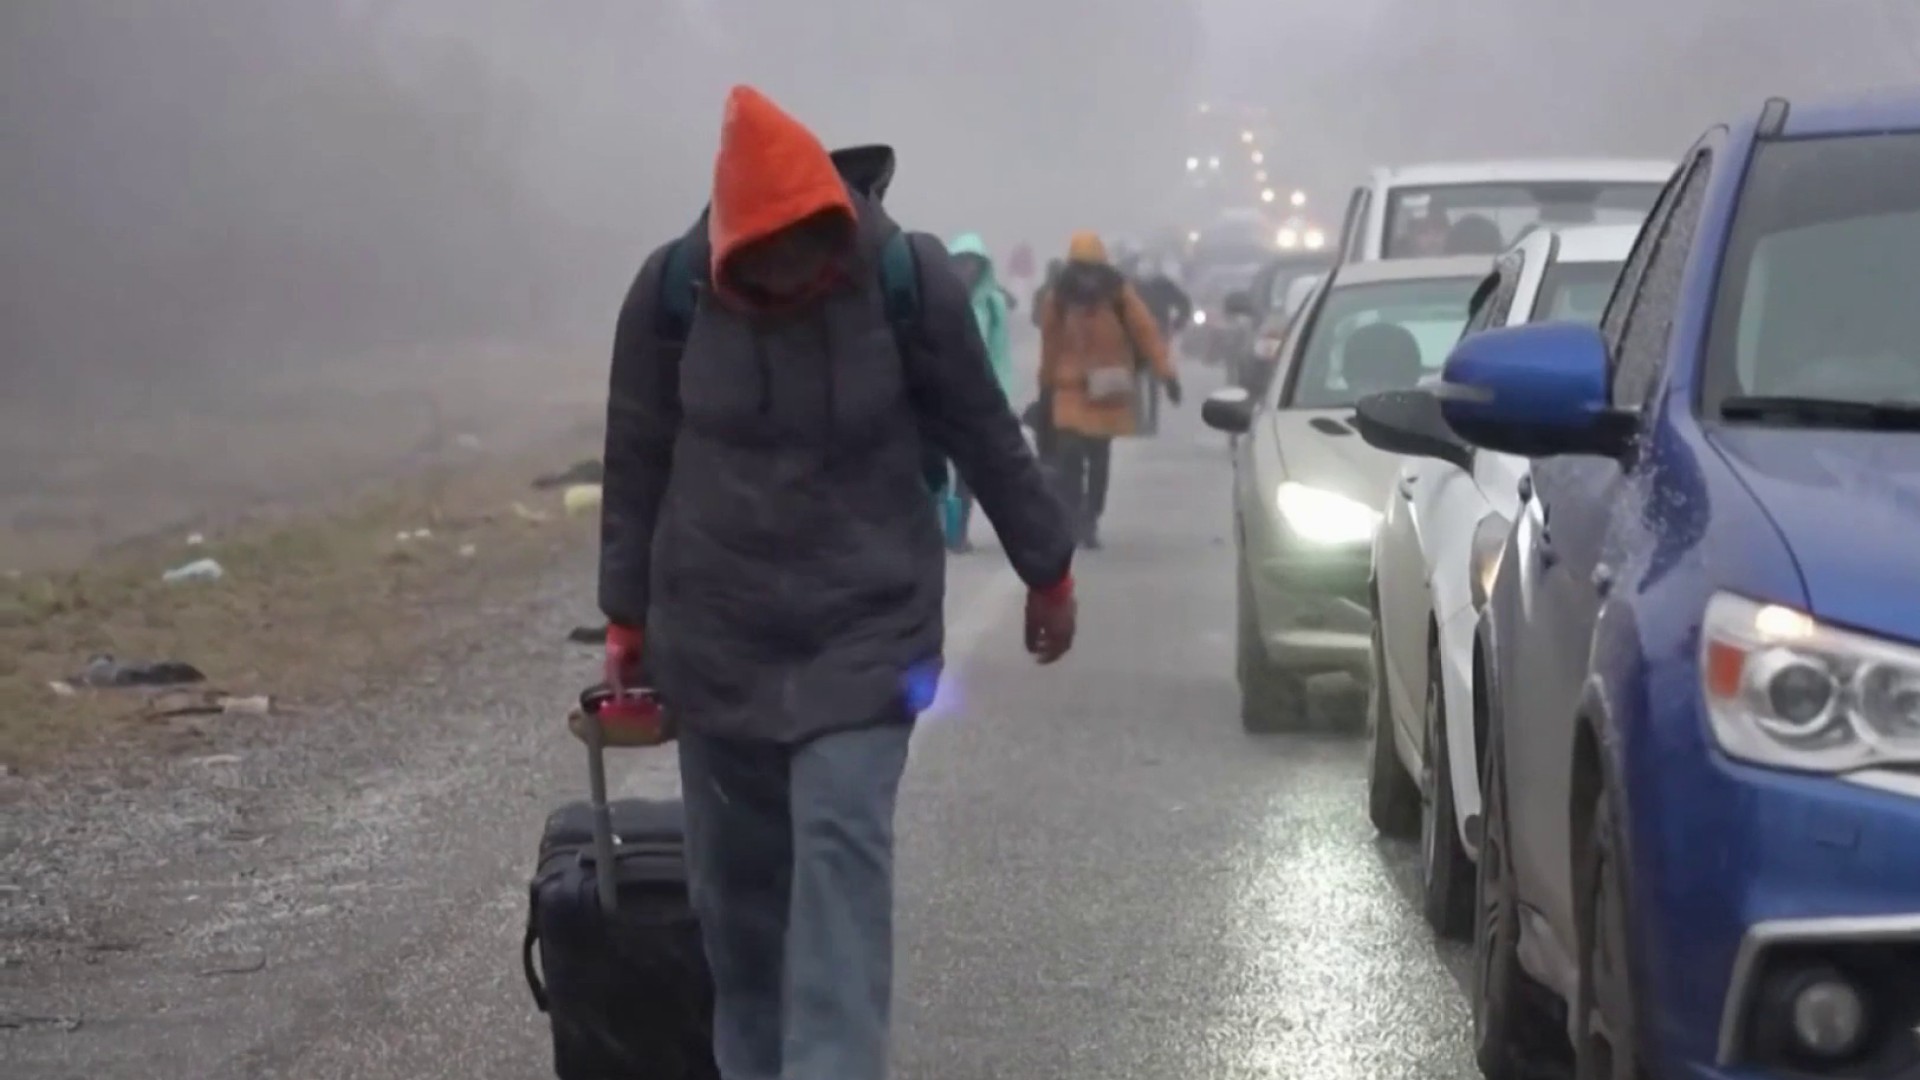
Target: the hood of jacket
pixel 1086 247
pixel 772 174
pixel 975 244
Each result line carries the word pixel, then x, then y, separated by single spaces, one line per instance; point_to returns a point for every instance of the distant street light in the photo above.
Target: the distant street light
pixel 1259 158
pixel 1246 136
pixel 1213 163
pixel 1193 163
pixel 1298 198
pixel 1267 195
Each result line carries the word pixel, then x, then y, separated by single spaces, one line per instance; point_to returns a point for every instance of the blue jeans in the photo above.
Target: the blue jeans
pixel 790 850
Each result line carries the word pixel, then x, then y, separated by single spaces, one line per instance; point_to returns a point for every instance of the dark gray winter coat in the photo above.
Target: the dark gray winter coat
pixel 766 518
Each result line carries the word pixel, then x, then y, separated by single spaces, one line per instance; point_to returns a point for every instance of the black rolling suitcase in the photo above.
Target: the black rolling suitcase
pixel 612 951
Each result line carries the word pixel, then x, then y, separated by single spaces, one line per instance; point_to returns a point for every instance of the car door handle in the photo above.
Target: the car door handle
pixel 1524 488
pixel 1406 487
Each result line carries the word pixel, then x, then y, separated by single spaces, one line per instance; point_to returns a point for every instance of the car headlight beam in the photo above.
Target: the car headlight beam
pixel 1786 691
pixel 1319 516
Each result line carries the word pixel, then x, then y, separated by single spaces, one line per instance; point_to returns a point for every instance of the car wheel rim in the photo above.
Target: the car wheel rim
pixel 1429 778
pixel 1608 1052
pixel 1489 939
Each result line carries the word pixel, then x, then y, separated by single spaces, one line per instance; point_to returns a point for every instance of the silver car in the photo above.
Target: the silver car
pixel 1307 490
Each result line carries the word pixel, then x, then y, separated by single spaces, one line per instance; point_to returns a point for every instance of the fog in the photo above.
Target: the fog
pixel 203 188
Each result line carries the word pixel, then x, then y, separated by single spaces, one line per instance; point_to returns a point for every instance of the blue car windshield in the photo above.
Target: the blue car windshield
pixel 1816 295
pixel 1575 292
pixel 1366 339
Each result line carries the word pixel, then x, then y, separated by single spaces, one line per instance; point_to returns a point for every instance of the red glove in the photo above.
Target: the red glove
pixel 625 644
pixel 633 716
pixel 1052 614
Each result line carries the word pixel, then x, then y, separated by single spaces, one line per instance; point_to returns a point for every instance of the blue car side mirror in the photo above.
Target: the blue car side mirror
pixel 1537 391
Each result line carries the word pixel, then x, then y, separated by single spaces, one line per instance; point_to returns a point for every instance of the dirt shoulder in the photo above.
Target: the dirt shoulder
pixel 309 607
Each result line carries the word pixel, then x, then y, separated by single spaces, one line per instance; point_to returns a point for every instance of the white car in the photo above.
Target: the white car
pixel 1445 523
pixel 1482 208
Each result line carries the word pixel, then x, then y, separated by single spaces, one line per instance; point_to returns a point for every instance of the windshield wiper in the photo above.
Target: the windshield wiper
pixel 1824 412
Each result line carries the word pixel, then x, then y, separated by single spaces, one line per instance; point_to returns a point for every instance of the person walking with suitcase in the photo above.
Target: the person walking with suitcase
pixel 1095 334
pixel 768 564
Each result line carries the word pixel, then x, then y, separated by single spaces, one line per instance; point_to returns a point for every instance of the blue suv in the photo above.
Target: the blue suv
pixel 1698 673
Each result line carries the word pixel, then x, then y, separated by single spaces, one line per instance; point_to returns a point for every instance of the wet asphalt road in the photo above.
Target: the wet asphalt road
pixel 1101 875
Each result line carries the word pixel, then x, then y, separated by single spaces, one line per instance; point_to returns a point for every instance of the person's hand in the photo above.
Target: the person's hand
pixel 631 715
pixel 1173 389
pixel 625 646
pixel 1052 616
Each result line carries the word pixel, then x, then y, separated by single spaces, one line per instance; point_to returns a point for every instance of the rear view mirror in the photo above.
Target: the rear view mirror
pixel 1410 422
pixel 1229 410
pixel 1539 390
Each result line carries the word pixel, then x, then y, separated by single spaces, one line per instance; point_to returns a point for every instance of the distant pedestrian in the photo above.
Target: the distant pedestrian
pixel 1096 336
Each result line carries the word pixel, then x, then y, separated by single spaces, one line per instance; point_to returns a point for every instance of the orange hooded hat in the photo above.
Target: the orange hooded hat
pixel 771 174
pixel 1086 247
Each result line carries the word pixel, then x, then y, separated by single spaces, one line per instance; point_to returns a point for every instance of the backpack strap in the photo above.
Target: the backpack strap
pixel 680 282
pixel 900 283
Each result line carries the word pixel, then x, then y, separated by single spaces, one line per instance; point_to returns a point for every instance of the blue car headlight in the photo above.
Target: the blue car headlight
pixel 1785 690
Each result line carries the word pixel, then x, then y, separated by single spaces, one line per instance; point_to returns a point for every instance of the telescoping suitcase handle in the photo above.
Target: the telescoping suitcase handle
pixel 592 731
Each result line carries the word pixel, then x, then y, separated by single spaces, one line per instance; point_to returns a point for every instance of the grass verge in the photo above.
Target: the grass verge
pixel 312 606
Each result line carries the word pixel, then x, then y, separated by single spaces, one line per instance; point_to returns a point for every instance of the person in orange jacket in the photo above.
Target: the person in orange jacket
pixel 1096 334
pixel 771 565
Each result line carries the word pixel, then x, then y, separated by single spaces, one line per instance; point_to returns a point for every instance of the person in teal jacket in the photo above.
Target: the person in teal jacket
pixel 991 311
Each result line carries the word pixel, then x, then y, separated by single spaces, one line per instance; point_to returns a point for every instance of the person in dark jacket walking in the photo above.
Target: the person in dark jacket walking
pixel 771 562
pixel 1172 309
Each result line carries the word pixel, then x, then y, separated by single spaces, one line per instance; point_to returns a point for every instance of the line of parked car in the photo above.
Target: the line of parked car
pixel 1616 509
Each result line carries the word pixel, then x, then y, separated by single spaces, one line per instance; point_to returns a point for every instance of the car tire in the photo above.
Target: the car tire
pixel 1518 1032
pixel 1446 874
pixel 1393 800
pixel 1606 1046
pixel 1272 699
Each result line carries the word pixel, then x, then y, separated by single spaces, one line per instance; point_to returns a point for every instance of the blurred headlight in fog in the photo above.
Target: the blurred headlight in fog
pixel 1316 239
pixel 1287 238
pixel 1199 317
pixel 1319 516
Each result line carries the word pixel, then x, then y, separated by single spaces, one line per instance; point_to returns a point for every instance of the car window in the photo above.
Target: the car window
pixel 1499 300
pixel 1281 284
pixel 1816 296
pixel 1364 339
pixel 1575 292
pixel 1649 321
pixel 1488 218
pixel 1613 319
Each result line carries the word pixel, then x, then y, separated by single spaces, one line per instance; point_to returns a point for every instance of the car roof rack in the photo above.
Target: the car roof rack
pixel 1773 118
